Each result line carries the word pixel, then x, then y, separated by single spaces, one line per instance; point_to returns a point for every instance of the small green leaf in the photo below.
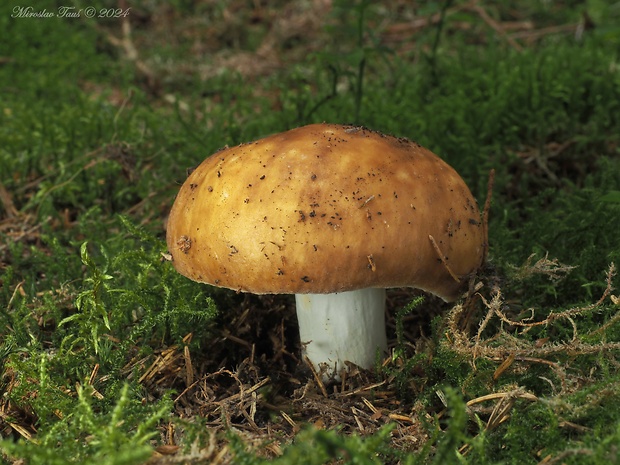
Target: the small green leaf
pixel 611 197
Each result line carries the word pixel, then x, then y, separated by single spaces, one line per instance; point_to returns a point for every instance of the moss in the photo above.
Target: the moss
pixel 97 331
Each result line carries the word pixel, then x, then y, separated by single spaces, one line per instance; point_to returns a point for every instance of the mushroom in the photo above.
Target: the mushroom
pixel 333 214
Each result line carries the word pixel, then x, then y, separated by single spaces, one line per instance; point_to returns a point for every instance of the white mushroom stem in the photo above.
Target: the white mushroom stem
pixel 346 326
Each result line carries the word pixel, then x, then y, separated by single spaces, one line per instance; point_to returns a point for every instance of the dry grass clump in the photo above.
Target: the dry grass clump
pixel 555 339
pixel 268 411
pixel 508 342
pixel 268 404
pixel 551 268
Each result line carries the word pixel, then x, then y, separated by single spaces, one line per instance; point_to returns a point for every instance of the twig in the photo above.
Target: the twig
pixel 290 421
pixel 440 25
pixel 501 410
pixel 500 395
pixel 243 393
pixel 485 215
pixel 482 326
pixel 443 259
pixel 362 389
pixel 18 288
pixel 495 25
pixel 538 33
pixel 548 460
pixel 316 376
pixel 7 202
pixel 131 53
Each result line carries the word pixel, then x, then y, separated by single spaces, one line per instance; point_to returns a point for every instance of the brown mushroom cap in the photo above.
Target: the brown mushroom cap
pixel 326 208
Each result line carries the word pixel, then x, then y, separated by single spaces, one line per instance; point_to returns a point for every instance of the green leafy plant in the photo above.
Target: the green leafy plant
pixel 92 314
pixel 315 447
pixel 92 152
pixel 86 436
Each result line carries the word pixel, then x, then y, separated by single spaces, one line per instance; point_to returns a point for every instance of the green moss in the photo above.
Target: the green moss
pixel 91 176
pixel 85 435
